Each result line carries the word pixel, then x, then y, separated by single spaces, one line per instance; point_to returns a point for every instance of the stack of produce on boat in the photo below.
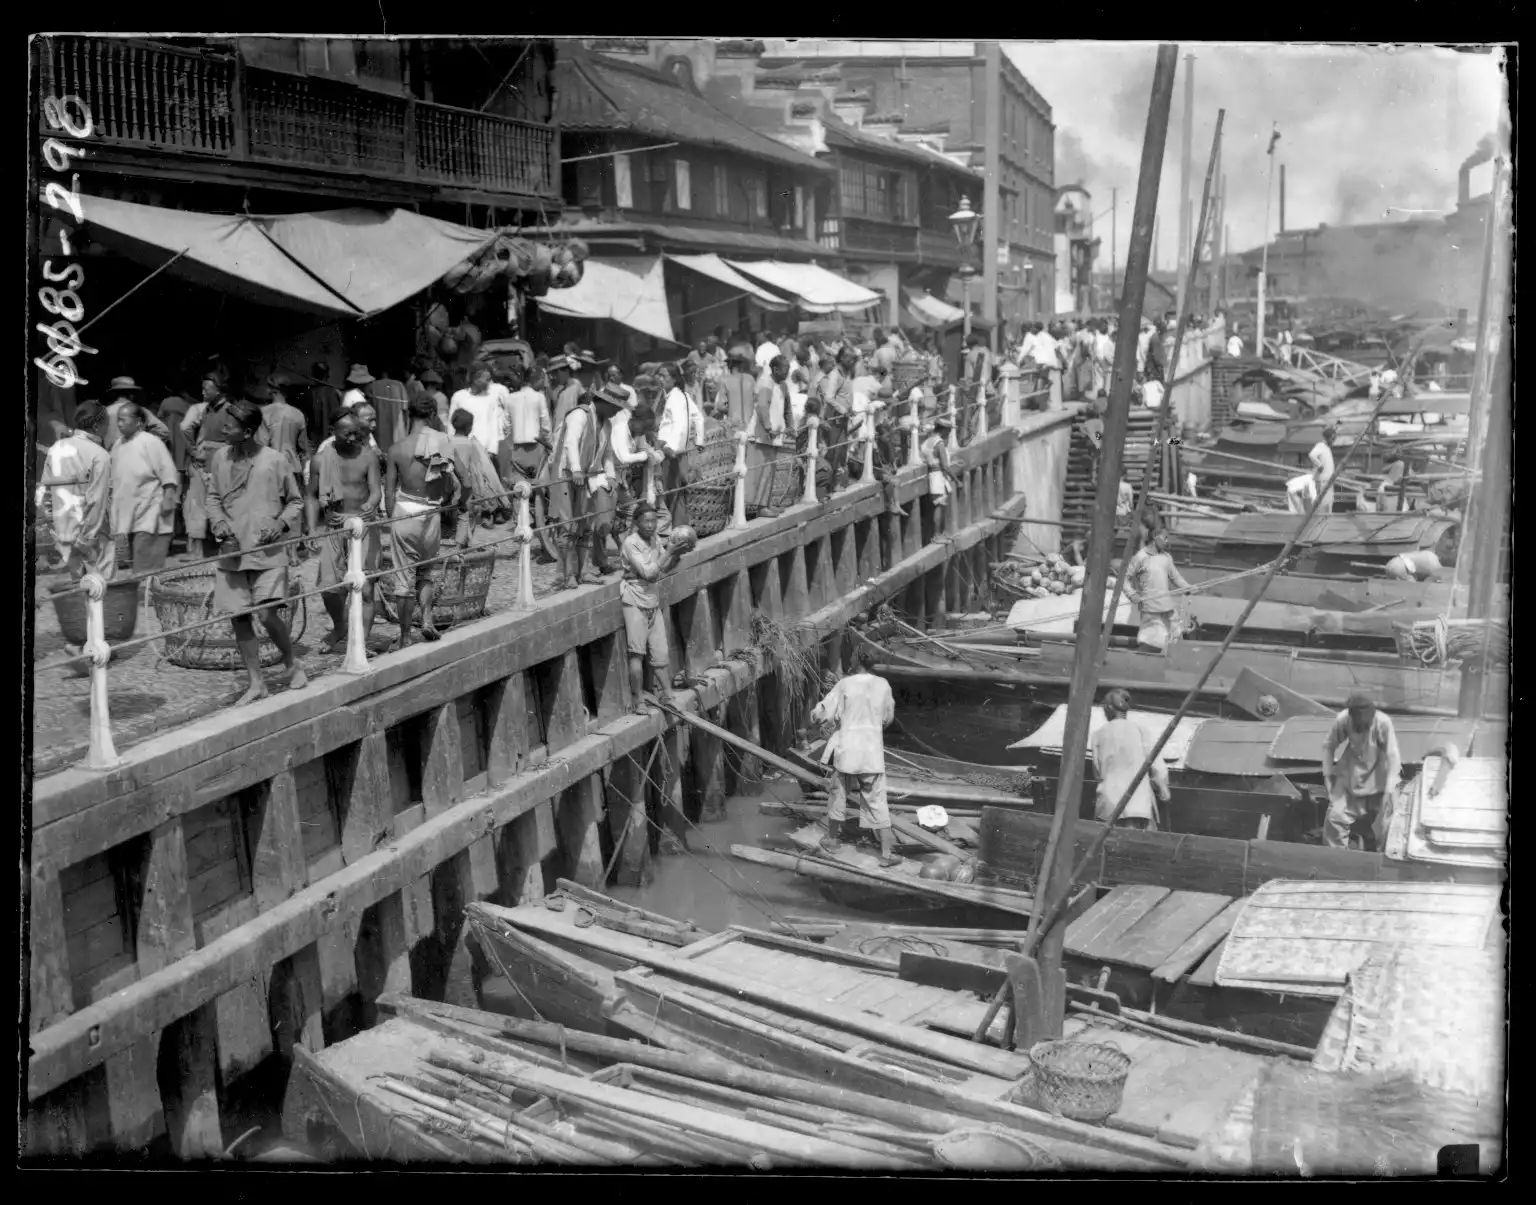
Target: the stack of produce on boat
pixel 1039 577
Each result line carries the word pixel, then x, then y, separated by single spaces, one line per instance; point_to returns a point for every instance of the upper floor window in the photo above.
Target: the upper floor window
pixel 684 192
pixel 722 192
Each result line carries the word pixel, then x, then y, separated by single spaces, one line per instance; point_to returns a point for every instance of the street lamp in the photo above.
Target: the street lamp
pixel 966 222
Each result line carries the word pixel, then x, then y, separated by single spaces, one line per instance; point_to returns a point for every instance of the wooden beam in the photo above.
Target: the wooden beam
pixel 296 1003
pixel 51 994
pixel 577 816
pixel 442 759
pixel 277 854
pixel 506 718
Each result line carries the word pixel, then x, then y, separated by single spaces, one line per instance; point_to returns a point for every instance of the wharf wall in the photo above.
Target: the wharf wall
pixel 253 881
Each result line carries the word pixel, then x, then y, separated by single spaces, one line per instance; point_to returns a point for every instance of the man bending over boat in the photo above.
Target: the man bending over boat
pixel 1118 749
pixel 862 706
pixel 1361 763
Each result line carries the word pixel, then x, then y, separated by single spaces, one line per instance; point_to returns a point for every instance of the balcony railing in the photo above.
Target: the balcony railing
pixel 166 98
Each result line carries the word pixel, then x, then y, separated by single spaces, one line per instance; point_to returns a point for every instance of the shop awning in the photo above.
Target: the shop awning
pixel 930 311
pixel 351 262
pixel 717 269
pixel 628 290
pixel 815 289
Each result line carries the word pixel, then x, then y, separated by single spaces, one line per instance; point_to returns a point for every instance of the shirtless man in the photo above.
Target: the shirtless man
pixel 345 480
pixel 419 481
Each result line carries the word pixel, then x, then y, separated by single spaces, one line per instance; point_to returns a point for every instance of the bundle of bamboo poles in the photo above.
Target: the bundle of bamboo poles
pixel 506 1091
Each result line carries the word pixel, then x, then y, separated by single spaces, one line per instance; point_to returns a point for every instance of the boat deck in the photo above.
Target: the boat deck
pixel 1176 1091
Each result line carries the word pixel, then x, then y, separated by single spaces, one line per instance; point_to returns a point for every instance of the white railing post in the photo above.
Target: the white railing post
pixel 522 491
pixel 954 418
pixel 809 492
pixel 1012 387
pixel 980 430
pixel 102 755
pixel 739 506
pixel 871 421
pixel 914 453
pixel 357 650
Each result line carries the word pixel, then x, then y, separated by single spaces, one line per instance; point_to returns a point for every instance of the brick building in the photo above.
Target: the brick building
pixel 939 89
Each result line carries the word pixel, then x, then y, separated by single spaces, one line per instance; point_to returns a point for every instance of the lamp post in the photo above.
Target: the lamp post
pixel 965 221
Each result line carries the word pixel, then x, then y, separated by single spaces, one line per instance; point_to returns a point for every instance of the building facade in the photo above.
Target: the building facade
pixel 285 126
pixel 939 89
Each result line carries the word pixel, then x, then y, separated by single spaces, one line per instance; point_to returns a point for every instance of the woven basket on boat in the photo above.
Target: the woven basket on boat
pixel 1081 1080
pixel 991 1148
pixel 710 504
pixel 1014 784
pixel 187 596
pixel 461 595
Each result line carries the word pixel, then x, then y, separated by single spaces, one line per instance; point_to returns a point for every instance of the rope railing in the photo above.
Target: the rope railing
pixel 102 755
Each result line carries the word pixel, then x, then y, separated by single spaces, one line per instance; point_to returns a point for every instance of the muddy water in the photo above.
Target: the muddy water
pixel 708 886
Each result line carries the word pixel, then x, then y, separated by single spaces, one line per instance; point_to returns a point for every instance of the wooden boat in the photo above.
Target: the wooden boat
pixel 442 1083
pixel 1328 544
pixel 1327 676
pixel 849 1021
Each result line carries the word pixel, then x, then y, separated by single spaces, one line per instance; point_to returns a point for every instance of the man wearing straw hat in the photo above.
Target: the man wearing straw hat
pixel 359 378
pixel 123 390
pixel 253 502
pixel 1361 764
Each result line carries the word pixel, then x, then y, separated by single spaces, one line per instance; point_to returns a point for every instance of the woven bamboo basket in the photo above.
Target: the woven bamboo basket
pixel 120 611
pixel 187 597
pixel 1081 1080
pixel 788 481
pixel 462 594
pixel 709 505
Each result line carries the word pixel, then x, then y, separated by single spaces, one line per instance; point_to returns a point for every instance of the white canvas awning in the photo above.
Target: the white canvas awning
pixel 717 269
pixel 627 289
pixel 815 289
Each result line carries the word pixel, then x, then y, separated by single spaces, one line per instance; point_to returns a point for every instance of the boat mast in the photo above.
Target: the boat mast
pixel 1489 435
pixel 1090 624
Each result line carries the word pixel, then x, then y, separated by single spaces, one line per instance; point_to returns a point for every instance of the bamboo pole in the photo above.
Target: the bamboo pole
pixel 1091 615
pixel 746 746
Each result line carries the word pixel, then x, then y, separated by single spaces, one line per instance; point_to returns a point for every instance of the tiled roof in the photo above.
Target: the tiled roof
pixel 840 133
pixel 599 93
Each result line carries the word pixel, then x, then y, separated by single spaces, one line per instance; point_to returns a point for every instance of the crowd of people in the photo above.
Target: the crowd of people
pixel 245 477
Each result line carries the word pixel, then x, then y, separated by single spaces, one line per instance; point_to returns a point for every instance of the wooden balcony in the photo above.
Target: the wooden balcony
pixel 155 97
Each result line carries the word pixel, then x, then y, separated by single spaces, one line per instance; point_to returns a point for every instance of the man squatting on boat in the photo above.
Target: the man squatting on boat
pixel 1361 763
pixel 862 706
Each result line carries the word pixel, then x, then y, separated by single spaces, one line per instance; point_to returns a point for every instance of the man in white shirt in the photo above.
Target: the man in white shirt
pixel 628 448
pixel 1286 343
pixel 1321 460
pixel 680 432
pixel 1361 765
pixel 1119 748
pixel 862 706
pixel 766 350
pixel 483 400
pixel 1234 345
pixel 526 430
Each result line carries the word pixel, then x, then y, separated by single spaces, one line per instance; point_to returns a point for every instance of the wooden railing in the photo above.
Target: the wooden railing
pixel 145 94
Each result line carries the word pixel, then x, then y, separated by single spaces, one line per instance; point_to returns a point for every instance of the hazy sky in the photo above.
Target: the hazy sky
pixel 1361 128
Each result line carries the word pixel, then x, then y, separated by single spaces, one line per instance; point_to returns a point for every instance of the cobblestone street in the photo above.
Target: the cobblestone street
pixel 147 693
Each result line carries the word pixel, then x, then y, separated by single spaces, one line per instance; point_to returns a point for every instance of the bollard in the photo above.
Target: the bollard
pixel 871 421
pixel 524 539
pixel 809 494
pixel 739 509
pixel 1013 387
pixel 914 453
pixel 355 581
pixel 101 755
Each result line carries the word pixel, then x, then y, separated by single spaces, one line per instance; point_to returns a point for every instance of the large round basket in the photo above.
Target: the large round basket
pixel 710 504
pixel 119 608
pixel 991 1148
pixel 461 595
pixel 184 597
pixel 1081 1080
